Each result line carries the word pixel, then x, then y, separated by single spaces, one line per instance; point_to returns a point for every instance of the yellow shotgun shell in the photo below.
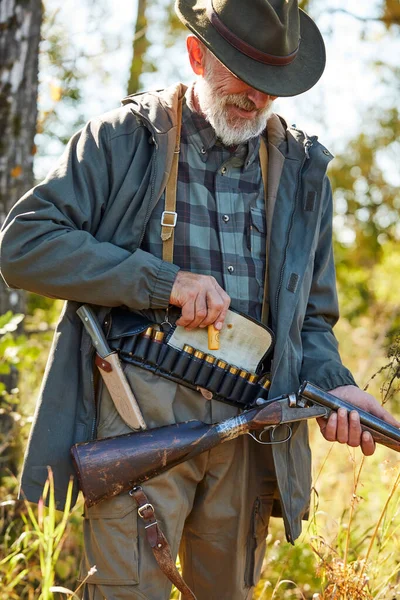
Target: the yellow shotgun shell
pixel 213 338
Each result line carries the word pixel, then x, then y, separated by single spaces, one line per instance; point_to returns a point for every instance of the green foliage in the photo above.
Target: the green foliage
pixel 24 352
pixel 35 548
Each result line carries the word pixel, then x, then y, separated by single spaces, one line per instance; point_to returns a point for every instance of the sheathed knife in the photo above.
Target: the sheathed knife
pixel 111 371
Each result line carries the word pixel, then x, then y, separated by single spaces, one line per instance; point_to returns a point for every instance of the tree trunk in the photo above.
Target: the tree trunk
pixel 20 22
pixel 140 45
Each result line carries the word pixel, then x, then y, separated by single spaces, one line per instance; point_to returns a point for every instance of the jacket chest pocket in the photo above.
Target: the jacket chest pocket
pixel 111 542
pixel 257 242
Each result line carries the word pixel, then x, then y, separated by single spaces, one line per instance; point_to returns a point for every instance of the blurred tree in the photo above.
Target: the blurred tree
pixel 149 13
pixel 19 46
pixel 140 45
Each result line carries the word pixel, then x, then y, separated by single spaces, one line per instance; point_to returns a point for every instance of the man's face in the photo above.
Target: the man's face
pixel 236 111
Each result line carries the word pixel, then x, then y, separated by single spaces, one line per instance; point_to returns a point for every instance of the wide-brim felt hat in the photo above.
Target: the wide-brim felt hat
pixel 274 47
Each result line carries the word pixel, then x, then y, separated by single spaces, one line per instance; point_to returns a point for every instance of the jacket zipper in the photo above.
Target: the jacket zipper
pixel 307 145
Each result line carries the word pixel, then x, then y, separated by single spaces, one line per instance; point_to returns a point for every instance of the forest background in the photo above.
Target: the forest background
pixel 63 63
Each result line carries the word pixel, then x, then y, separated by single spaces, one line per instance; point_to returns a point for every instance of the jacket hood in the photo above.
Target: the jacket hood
pixel 158 108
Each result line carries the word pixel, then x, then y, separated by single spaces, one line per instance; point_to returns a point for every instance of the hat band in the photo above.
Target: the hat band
pixel 243 47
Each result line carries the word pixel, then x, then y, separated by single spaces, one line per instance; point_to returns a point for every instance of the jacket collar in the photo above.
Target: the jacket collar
pixel 158 108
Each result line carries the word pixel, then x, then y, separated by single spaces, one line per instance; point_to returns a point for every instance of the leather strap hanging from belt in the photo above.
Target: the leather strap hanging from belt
pixel 159 544
pixel 169 216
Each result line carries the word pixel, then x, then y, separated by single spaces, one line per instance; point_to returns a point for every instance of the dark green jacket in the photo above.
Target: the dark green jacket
pixel 77 236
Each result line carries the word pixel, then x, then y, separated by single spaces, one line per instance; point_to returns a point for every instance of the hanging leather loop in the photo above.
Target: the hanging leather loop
pixel 159 544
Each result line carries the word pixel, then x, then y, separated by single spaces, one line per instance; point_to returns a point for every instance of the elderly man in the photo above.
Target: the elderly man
pixel 251 231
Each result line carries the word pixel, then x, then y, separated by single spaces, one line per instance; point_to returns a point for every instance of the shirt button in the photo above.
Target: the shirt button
pixel 223 170
pixel 230 269
pixel 225 218
pixel 203 150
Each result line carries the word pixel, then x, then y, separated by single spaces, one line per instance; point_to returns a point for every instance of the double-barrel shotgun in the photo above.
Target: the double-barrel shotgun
pixel 110 466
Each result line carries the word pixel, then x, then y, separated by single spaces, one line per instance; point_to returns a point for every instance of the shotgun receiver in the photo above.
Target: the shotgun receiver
pixel 110 466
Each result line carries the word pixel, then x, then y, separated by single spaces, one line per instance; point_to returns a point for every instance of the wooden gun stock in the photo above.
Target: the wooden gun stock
pixel 109 466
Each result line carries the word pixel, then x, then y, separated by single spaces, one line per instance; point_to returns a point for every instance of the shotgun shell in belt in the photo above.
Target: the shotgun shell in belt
pixel 148 332
pixel 243 374
pixel 222 364
pixel 210 359
pixel 199 354
pixel 188 349
pixel 266 384
pixel 234 370
pixel 253 378
pixel 158 336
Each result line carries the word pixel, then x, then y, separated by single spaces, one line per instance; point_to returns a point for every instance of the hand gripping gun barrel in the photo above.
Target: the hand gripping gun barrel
pixel 109 466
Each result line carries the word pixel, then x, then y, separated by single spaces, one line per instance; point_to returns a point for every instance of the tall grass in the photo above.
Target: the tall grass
pixel 29 567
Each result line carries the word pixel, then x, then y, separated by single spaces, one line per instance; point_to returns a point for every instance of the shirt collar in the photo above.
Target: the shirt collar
pixel 202 134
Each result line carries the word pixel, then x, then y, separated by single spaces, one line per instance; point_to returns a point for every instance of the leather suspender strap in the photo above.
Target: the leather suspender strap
pixel 158 542
pixel 264 173
pixel 169 216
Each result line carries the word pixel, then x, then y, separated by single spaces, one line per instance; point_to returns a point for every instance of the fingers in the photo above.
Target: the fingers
pixel 201 298
pixel 345 428
pixel 218 308
pixel 367 444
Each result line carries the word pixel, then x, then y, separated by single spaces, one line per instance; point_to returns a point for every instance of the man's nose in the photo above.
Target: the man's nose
pixel 259 98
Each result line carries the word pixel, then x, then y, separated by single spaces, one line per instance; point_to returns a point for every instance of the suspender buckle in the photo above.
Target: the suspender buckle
pixel 141 509
pixel 167 217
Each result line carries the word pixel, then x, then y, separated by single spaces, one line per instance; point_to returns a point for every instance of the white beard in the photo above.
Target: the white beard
pixel 231 131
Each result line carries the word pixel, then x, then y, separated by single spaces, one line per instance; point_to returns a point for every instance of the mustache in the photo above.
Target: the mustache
pixel 240 101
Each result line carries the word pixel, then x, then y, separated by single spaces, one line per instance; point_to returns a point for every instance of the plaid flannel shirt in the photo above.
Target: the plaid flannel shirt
pixel 221 225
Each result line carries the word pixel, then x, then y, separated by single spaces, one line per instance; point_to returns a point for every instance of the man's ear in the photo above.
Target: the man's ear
pixel 196 53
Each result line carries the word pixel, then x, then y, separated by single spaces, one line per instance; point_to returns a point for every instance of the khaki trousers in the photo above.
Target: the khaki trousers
pixel 214 509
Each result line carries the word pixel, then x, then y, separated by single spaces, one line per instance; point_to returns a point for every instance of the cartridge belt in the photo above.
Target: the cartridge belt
pixel 146 346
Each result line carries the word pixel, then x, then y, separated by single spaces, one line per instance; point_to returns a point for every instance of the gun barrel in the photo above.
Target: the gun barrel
pixel 315 394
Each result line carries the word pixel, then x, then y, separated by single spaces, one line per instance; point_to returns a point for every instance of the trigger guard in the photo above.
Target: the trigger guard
pixel 259 439
pixel 289 435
